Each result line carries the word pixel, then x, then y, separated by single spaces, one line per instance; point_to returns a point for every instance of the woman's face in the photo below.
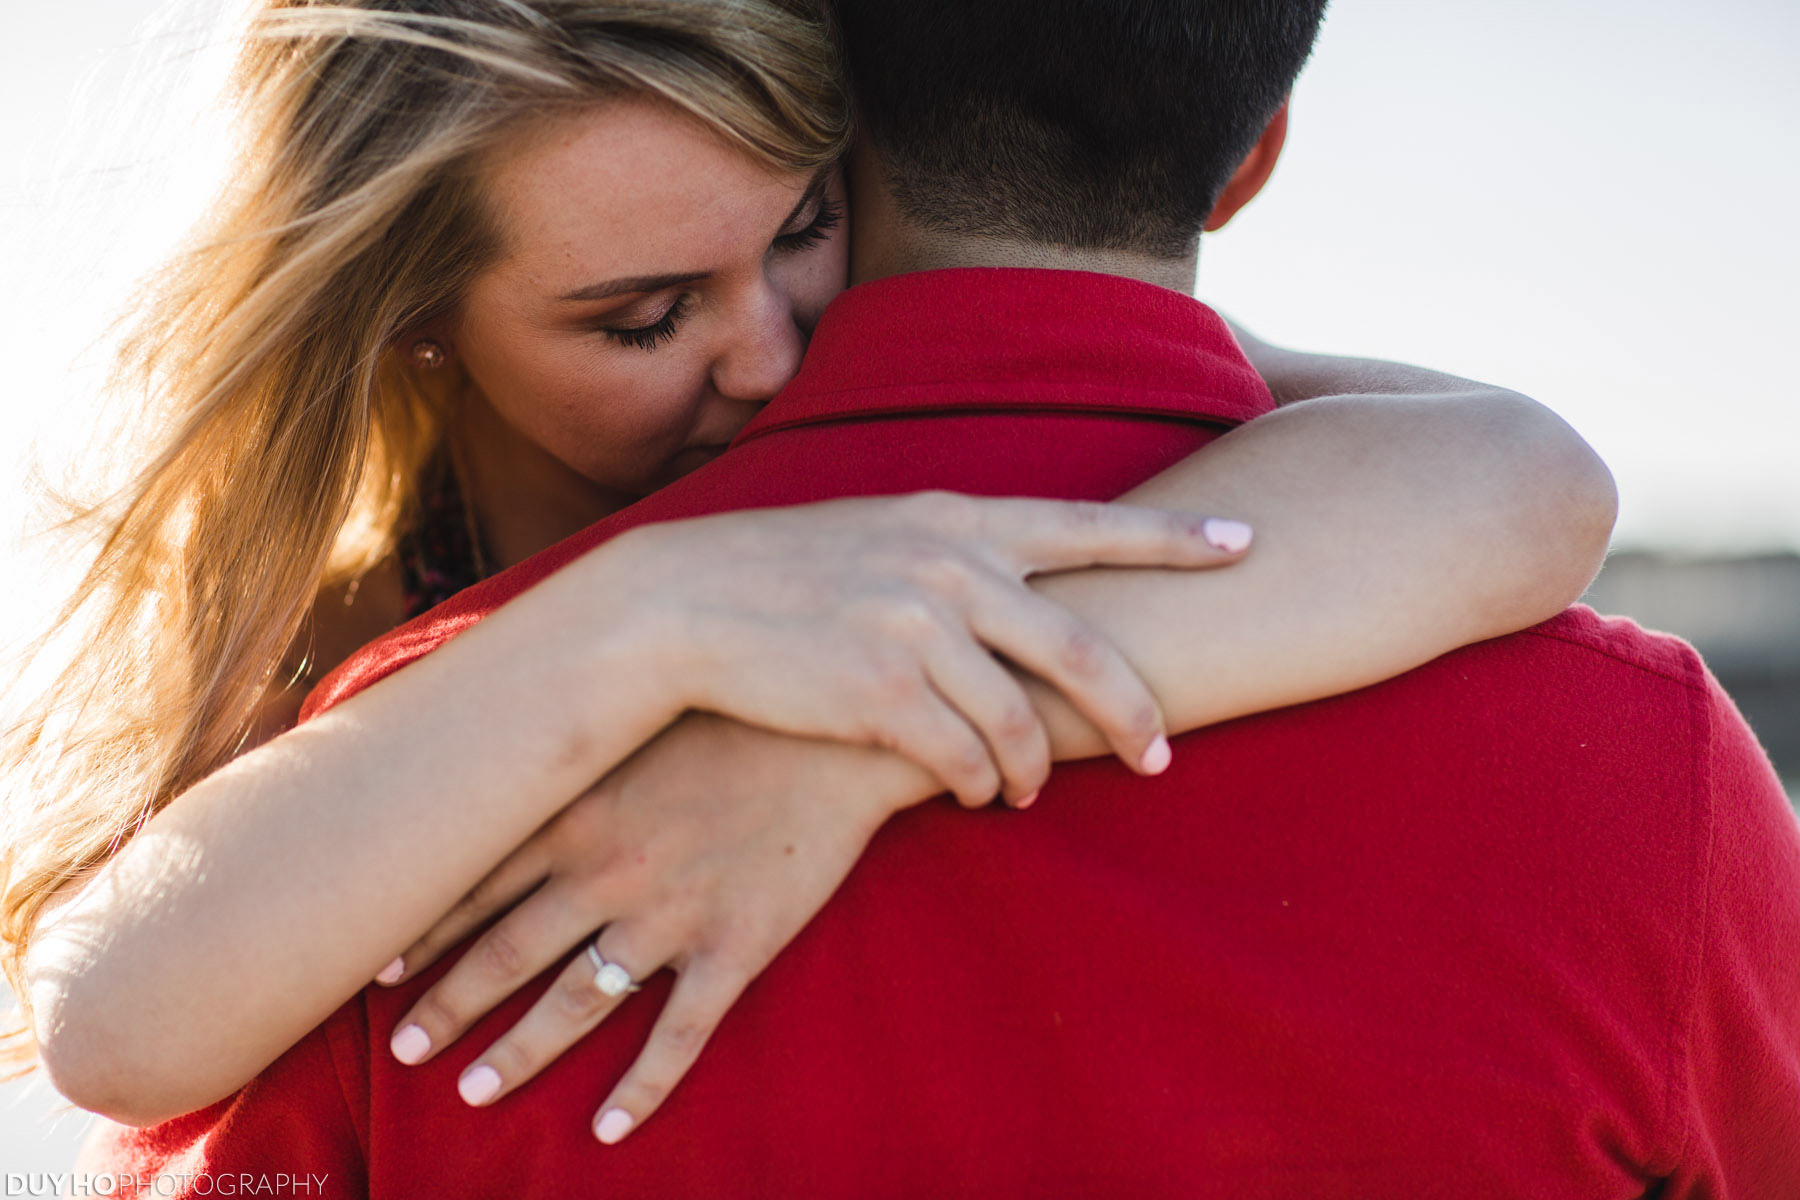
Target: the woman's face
pixel 654 289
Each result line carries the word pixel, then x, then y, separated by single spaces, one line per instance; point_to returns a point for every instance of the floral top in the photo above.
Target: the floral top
pixel 440 554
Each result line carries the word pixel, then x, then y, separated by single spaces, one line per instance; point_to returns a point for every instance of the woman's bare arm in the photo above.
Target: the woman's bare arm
pixel 1391 528
pixel 262 898
pixel 1330 608
pixel 1399 513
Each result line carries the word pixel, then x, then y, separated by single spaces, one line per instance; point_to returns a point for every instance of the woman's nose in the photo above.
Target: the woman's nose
pixel 765 350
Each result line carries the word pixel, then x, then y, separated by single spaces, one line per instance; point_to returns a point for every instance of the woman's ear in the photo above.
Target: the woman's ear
pixel 1252 173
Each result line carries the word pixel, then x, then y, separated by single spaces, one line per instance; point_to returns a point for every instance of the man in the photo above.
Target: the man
pixel 1524 922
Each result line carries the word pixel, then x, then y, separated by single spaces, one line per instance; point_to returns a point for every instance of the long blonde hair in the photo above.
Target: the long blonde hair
pixel 290 432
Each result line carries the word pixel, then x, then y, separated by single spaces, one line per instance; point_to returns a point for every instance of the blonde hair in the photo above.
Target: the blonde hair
pixel 291 433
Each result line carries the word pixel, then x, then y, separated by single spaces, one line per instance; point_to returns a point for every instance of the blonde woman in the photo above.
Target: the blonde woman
pixel 491 270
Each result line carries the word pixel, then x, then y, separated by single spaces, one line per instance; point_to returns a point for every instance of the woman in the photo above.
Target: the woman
pixel 424 264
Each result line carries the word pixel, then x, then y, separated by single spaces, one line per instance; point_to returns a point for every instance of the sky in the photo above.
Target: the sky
pixel 1589 201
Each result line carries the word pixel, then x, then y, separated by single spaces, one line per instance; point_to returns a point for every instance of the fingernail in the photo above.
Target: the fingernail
pixel 1027 801
pixel 1227 536
pixel 1157 758
pixel 479 1085
pixel 392 972
pixel 614 1124
pixel 410 1044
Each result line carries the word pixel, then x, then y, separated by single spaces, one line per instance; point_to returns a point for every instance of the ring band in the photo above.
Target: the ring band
pixel 610 977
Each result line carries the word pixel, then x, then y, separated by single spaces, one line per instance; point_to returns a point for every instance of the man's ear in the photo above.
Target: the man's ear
pixel 1252 173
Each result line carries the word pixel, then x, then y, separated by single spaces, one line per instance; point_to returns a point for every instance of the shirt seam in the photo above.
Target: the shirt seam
pixel 337 1075
pixel 787 424
pixel 1684 678
pixel 1677 1122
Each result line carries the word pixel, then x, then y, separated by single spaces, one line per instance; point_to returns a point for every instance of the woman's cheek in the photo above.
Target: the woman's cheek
pixel 817 278
pixel 631 412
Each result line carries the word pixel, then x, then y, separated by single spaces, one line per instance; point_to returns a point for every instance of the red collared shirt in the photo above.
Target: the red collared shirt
pixel 1523 922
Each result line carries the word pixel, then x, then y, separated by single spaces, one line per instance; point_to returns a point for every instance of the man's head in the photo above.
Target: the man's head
pixel 1107 125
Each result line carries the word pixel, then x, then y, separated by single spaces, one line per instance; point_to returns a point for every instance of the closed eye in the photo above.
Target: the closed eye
pixel 649 337
pixel 829 216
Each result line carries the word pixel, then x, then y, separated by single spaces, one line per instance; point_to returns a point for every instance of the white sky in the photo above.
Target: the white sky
pixel 1591 201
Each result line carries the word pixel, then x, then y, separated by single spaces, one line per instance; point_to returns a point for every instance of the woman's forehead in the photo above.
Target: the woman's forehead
pixel 633 187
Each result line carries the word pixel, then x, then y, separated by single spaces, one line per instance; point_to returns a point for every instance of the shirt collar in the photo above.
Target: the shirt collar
pixel 1017 339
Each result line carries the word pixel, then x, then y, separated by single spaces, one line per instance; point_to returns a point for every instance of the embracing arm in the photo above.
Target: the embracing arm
pixel 1391 527
pixel 1399 513
pixel 190 963
pixel 245 907
pixel 261 899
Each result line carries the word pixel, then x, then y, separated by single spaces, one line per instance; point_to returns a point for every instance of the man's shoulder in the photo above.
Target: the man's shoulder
pixel 1617 647
pixel 1582 686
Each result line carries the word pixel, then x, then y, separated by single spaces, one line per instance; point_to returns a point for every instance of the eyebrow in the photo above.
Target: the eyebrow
pixel 636 283
pixel 656 283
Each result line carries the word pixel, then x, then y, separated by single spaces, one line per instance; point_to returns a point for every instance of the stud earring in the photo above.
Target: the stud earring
pixel 428 355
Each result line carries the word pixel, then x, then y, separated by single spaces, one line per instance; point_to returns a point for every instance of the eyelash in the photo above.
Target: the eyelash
pixel 830 214
pixel 649 337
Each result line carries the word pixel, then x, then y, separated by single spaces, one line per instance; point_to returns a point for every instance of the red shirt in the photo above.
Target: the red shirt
pixel 1522 922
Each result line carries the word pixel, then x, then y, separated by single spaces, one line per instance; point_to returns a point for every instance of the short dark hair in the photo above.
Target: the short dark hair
pixel 1097 124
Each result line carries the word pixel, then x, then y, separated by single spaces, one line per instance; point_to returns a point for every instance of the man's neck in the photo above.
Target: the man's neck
pixel 884 242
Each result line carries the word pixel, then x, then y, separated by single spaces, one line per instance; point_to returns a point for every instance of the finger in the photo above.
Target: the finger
pixel 700 999
pixel 918 723
pixel 1034 536
pixel 1058 647
pixel 575 1004
pixel 990 699
pixel 522 871
pixel 507 956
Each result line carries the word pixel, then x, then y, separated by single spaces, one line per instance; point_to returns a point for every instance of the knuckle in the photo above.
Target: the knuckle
pixel 685 1039
pixel 593 890
pixel 972 761
pixel 437 1014
pixel 973 774
pixel 1018 723
pixel 943 576
pixel 907 618
pixel 509 1058
pixel 500 956
pixel 578 997
pixel 893 688
pixel 1089 514
pixel 1145 721
pixel 1081 653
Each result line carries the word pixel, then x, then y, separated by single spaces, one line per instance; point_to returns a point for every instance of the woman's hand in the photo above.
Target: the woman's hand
pixel 872 621
pixel 706 852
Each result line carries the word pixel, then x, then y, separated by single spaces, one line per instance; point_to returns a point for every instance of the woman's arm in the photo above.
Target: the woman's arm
pixel 1423 466
pixel 1499 516
pixel 1399 513
pixel 260 899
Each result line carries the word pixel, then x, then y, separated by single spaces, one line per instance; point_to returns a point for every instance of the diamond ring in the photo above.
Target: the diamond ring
pixel 610 977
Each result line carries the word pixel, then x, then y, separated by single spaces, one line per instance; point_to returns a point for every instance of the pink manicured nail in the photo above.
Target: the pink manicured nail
pixel 410 1044
pixel 479 1085
pixel 1027 801
pixel 392 972
pixel 1230 537
pixel 1158 757
pixel 614 1124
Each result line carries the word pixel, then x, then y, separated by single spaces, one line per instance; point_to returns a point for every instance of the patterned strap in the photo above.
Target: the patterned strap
pixel 439 556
